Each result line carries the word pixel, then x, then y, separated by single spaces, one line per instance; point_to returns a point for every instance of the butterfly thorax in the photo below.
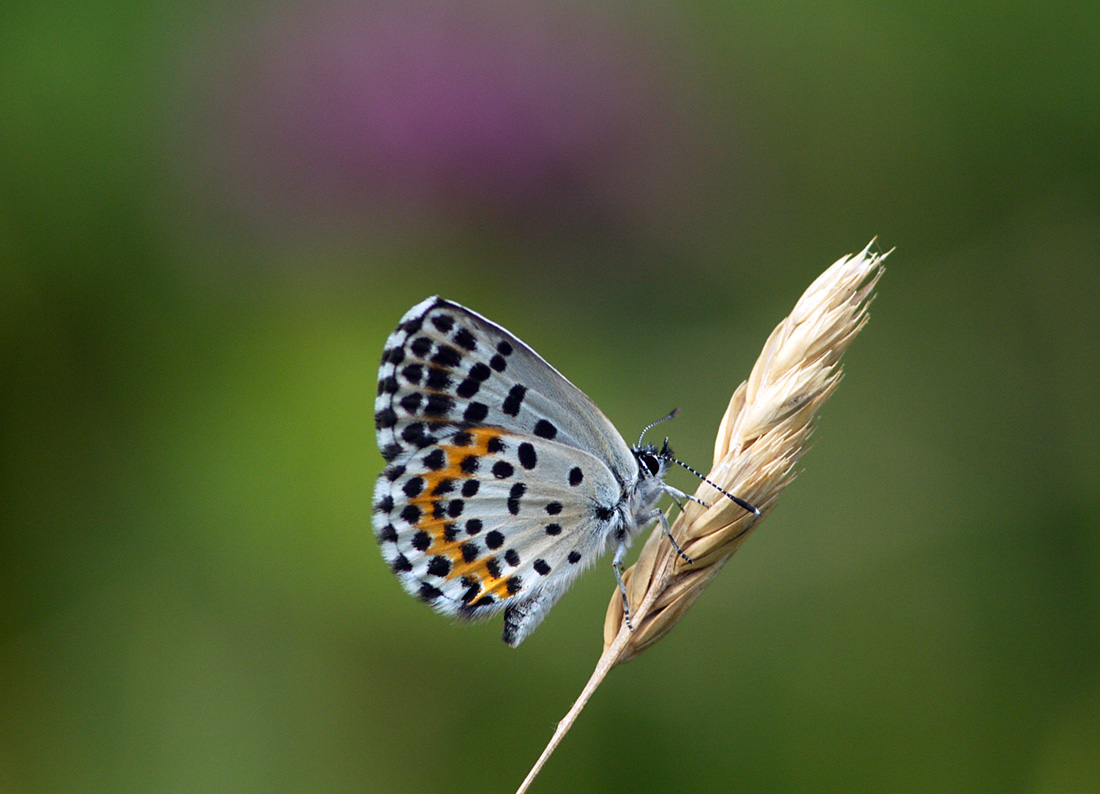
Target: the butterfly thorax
pixel 640 498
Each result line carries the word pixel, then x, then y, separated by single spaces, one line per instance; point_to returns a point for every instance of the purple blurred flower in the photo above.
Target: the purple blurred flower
pixel 496 108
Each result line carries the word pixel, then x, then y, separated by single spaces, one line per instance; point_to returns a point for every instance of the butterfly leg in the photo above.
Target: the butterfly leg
pixel 677 495
pixel 617 565
pixel 672 540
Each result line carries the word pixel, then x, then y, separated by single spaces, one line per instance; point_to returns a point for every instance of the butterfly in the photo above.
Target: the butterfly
pixel 503 480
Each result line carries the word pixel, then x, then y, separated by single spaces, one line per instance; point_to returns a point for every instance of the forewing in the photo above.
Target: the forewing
pixel 486 517
pixel 446 368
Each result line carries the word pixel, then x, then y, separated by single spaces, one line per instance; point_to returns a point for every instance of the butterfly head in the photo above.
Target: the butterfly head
pixel 653 461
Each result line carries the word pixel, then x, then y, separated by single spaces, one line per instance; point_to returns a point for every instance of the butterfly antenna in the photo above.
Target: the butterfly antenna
pixel 672 415
pixel 739 502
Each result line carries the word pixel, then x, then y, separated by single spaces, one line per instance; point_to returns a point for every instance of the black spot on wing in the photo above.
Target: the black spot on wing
pixel 545 429
pixel 415 434
pixel 439 379
pixel 429 592
pixel 465 339
pixel 527 457
pixel 484 601
pixel 475 412
pixel 438 405
pixel 443 322
pixel 468 388
pixel 447 356
pixel 514 400
pixel 514 495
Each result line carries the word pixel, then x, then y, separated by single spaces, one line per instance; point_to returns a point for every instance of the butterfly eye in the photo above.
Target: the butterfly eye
pixel 652 464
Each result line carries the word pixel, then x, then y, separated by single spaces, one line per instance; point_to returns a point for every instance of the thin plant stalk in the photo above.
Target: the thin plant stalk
pixel 764 433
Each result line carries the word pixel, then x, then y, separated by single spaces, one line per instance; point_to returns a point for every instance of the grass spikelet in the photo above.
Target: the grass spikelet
pixel 763 434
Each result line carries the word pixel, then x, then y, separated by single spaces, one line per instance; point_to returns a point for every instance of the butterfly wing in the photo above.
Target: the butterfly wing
pixel 502 475
pixel 487 520
pixel 446 367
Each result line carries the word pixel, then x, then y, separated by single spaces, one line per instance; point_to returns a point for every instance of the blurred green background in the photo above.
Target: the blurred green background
pixel 211 216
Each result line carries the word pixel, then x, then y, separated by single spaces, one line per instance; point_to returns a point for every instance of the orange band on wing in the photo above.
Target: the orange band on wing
pixel 461 464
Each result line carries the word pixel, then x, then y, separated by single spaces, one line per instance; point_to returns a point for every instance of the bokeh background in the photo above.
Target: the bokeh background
pixel 212 214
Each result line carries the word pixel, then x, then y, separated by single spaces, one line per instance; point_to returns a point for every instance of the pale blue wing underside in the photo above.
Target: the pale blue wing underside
pixel 446 367
pixel 503 480
pixel 469 530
